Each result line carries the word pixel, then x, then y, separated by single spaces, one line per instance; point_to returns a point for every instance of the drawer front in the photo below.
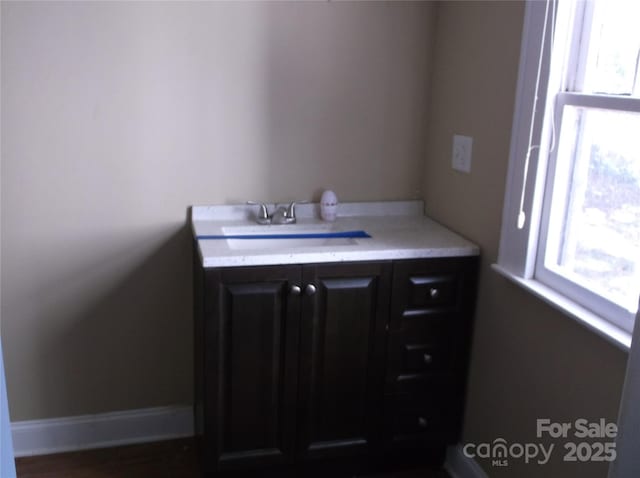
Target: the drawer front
pixel 424 358
pixel 415 418
pixel 428 291
pixel 422 349
pixel 424 288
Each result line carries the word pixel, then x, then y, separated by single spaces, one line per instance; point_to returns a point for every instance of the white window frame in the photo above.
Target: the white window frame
pixel 522 249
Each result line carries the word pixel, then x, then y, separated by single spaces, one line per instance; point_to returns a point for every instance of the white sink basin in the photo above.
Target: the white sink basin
pixel 284 243
pixel 276 229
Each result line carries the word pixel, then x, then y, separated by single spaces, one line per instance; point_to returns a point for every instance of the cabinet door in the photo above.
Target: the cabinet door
pixel 251 327
pixel 342 344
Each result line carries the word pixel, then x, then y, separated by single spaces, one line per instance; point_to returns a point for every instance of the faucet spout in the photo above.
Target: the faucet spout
pixel 281 216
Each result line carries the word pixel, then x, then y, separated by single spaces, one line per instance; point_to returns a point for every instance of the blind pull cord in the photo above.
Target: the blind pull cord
pixel 522 217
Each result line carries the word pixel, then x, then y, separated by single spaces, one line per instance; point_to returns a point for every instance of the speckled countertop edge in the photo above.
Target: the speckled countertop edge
pixel 399 230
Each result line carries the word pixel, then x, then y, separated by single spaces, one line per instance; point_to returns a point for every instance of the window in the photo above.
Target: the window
pixel 572 209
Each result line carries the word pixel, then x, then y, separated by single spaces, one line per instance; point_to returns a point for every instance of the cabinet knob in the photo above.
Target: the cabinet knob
pixel 422 422
pixel 295 290
pixel 310 289
pixel 434 293
pixel 427 358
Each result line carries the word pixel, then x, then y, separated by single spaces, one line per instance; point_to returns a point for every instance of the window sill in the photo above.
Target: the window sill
pixel 613 334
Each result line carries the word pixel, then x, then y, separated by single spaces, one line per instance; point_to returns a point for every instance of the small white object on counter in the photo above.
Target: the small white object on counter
pixel 328 206
pixel 398 229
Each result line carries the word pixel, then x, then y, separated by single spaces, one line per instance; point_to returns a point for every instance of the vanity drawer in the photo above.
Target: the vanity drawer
pixel 425 289
pixel 428 291
pixel 421 348
pixel 429 327
pixel 410 417
pixel 409 356
pixel 424 358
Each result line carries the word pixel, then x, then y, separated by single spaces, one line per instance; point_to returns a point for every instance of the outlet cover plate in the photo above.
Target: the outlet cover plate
pixel 461 154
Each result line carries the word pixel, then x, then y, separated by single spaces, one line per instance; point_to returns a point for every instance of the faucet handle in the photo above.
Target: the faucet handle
pixel 263 212
pixel 291 210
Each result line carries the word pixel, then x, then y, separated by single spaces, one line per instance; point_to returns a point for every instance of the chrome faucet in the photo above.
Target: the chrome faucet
pixel 263 213
pixel 282 214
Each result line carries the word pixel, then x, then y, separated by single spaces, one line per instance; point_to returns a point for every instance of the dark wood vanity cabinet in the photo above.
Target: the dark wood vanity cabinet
pixel 289 361
pixel 308 363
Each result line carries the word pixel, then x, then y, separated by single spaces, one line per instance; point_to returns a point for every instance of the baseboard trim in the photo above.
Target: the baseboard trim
pixel 84 432
pixel 55 435
pixel 458 465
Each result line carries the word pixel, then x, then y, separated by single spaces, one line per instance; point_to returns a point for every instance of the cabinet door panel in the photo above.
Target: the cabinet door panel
pixel 342 353
pixel 253 368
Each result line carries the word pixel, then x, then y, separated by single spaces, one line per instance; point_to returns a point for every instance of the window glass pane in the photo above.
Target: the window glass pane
pixel 614 48
pixel 595 234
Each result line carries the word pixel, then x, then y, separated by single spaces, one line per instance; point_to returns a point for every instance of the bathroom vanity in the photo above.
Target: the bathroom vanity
pixel 312 351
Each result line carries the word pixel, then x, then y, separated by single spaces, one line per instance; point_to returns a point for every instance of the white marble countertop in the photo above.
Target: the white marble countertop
pixel 398 229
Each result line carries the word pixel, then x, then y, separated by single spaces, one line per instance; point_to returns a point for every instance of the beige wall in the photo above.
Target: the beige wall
pixel 528 361
pixel 118 116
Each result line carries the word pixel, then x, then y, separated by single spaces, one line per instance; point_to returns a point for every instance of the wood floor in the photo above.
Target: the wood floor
pixel 169 459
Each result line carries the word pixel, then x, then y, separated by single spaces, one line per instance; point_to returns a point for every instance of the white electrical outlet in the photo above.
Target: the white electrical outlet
pixel 461 156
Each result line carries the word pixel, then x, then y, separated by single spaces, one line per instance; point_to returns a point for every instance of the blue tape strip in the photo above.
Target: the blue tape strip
pixel 316 235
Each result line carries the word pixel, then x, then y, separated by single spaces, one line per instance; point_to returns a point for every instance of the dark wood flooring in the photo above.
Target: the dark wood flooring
pixel 168 459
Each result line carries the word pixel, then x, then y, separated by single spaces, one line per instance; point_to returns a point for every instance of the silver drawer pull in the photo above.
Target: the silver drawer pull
pixel 427 358
pixel 434 293
pixel 295 290
pixel 422 422
pixel 310 289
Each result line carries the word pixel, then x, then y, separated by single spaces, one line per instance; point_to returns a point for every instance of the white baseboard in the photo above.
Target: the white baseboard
pixel 55 435
pixel 458 465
